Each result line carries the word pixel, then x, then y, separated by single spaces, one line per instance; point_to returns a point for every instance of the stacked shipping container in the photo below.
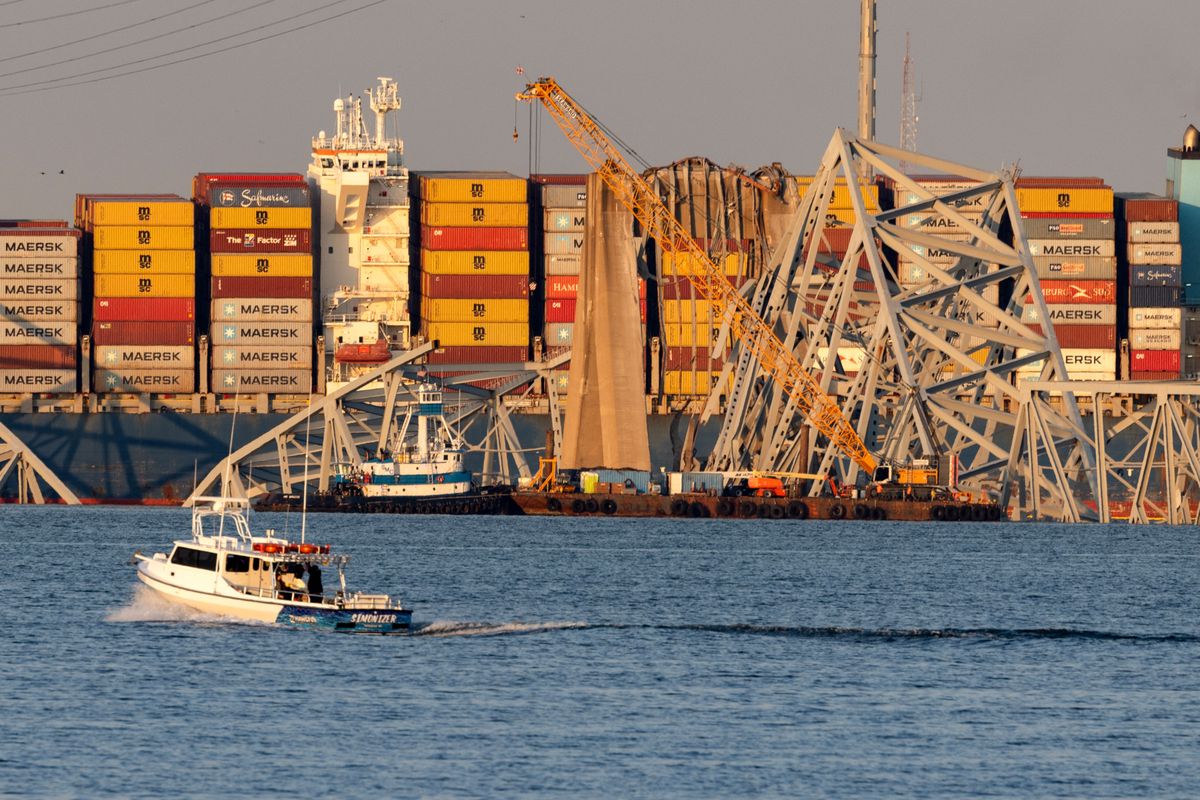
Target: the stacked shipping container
pixel 259 236
pixel 563 208
pixel 139 251
pixel 1150 262
pixel 39 306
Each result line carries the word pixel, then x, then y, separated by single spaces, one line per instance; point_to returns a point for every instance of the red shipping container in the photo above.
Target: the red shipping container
pixel 1093 292
pixel 682 288
pixel 1083 336
pixel 39 356
pixel 721 245
pixel 1060 215
pixel 33 223
pixel 1149 375
pixel 479 355
pixel 1055 181
pixel 562 286
pixel 483 287
pixel 139 332
pixel 692 358
pixel 243 240
pixel 1143 207
pixel 1154 361
pixel 261 287
pixel 559 180
pixel 202 181
pixel 457 238
pixel 560 310
pixel 165 309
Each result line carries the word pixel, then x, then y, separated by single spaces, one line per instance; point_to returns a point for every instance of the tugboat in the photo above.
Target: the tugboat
pixel 225 569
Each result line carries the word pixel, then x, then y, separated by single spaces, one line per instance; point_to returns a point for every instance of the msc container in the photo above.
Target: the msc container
pixel 1064 200
pixel 141 212
pixel 1083 336
pixel 471 286
pixel 32 333
pixel 287 357
pixel 1155 296
pixel 559 310
pixel 563 220
pixel 564 196
pixel 563 244
pixel 144 381
pixel 237 286
pixel 1098 268
pixel 1157 232
pixel 265 240
pixel 1082 291
pixel 469 215
pixel 263 265
pixel 688 382
pixel 32 289
pixel 475 309
pixel 32 381
pixel 559 334
pixel 145 286
pixel 1154 360
pixel 123 357
pixel 262 333
pixel 139 332
pixel 149 309
pixel 563 265
pixel 45 356
pixel 1151 339
pixel 20 242
pixel 260 218
pixel 1089 359
pixel 562 287
pixel 39 268
pixel 220 194
pixel 39 310
pixel 1141 253
pixel 144 262
pixel 1069 228
pixel 1072 314
pixel 1145 207
pixel 460 238
pixel 492 334
pixel 269 381
pixel 260 309
pixel 125 237
pixel 1072 248
pixel 484 262
pixel 1155 318
pixel 1167 275
pixel 466 188
pixel 479 355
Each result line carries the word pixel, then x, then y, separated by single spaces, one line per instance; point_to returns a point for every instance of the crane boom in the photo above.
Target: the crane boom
pixel 751 331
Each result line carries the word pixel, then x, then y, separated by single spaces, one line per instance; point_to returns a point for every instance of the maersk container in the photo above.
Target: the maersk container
pixel 140 332
pixel 1081 291
pixel 21 242
pixel 1059 268
pixel 1156 232
pixel 460 238
pixel 469 188
pixel 470 215
pixel 1072 314
pixel 563 265
pixel 145 285
pixel 38 333
pixel 1072 248
pixel 1155 318
pixel 1155 296
pixel 33 289
pixel 479 355
pixel 564 196
pixel 566 287
pixel 39 356
pixel 60 268
pixel 1154 360
pixel 938 256
pixel 156 237
pixel 469 286
pixel 263 265
pixel 483 309
pixel 32 381
pixel 144 381
pixel 935 223
pixel 288 357
pixel 1065 200
pixel 268 381
pixel 121 357
pixel 262 333
pixel 39 310
pixel 1083 336
pixel 220 194
pixel 464 334
pixel 260 218
pixel 559 310
pixel 1167 275
pixel 1151 339
pixel 559 334
pixel 483 262
pixel 563 244
pixel 141 212
pixel 150 309
pixel 297 241
pixel 144 262
pixel 260 309
pixel 563 220
pixel 1161 253
pixel 1089 359
pixel 237 286
pixel 1069 228
pixel 1145 207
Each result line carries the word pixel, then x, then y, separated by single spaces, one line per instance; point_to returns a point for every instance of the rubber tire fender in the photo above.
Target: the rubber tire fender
pixel 678 507
pixel 578 506
pixel 746 508
pixel 951 513
pixel 878 513
pixel 592 505
pixel 861 511
pixel 938 513
pixel 778 511
pixel 609 506
pixel 725 507
pixel 837 511
pixel 797 510
pixel 554 504
pixel 697 510
pixel 995 513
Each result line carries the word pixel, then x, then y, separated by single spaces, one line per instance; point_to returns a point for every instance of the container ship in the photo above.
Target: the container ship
pixel 130 336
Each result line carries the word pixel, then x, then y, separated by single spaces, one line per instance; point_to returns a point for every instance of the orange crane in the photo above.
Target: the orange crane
pixel 751 331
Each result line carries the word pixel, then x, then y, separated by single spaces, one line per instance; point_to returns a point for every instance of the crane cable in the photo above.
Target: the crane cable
pixel 66 14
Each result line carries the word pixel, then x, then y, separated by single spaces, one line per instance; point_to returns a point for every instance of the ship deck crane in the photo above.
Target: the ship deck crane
pixel 751 331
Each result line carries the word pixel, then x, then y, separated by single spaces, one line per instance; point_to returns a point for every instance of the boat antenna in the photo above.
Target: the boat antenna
pixel 304 485
pixel 229 457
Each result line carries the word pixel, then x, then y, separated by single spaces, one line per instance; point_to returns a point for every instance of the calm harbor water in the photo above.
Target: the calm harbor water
pixel 617 658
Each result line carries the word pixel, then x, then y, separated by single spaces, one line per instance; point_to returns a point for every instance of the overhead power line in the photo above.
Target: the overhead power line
pixel 66 14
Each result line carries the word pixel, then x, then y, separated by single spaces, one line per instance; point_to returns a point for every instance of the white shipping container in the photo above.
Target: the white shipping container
pixel 563 265
pixel 1142 253
pixel 144 356
pixel 563 220
pixel 1058 267
pixel 1154 339
pixel 269 381
pixel 934 255
pixel 1072 248
pixel 31 381
pixel 262 333
pixel 1164 232
pixel 34 289
pixel 564 244
pixel 935 223
pixel 297 357
pixel 39 268
pixel 1082 314
pixel 56 332
pixel 1157 318
pixel 1091 360
pixel 260 309
pixel 144 381
pixel 559 334
pixel 1068 228
pixel 39 310
pixel 940 187
pixel 564 196
pixel 45 245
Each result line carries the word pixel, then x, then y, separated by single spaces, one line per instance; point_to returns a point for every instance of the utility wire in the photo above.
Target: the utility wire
pixel 109 32
pixel 10 90
pixel 10 3
pixel 142 41
pixel 68 14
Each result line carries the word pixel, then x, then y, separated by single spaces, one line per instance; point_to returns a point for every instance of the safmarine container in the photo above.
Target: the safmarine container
pixel 260 218
pixel 296 241
pixel 263 265
pixel 472 286
pixel 1155 296
pixel 270 381
pixel 446 187
pixel 122 357
pixel 1072 248
pixel 261 333
pixel 1160 253
pixel 37 333
pixel 236 194
pixel 492 215
pixel 1156 232
pixel 483 262
pixel 1081 291
pixel 461 238
pixel 39 268
pixel 125 237
pixel 134 380
pixel 34 289
pixel 147 262
pixel 263 357
pixel 481 309
pixel 150 309
pixel 145 286
pixel 262 309
pixel 1167 275
pixel 18 356
pixel 50 381
pixel 478 355
pixel 1069 228
pixel 39 310
pixel 237 286
pixel 134 212
pixel 493 334
pixel 157 332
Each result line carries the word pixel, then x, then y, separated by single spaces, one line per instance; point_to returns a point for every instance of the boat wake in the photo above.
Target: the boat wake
pixel 146 605
pixel 447 628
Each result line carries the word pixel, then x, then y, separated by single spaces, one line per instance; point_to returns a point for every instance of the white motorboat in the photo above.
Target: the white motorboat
pixel 225 569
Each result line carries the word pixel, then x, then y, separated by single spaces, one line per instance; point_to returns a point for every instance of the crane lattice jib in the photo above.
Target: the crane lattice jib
pixel 751 331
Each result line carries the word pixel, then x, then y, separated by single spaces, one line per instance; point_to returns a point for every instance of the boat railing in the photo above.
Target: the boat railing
pixel 289 595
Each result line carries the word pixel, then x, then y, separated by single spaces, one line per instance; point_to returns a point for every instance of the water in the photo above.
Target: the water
pixel 617 658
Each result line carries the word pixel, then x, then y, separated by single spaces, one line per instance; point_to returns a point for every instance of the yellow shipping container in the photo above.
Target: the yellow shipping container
pixel 687 264
pixel 476 215
pixel 145 286
pixel 481 262
pixel 144 262
pixel 481 310
pixel 688 334
pixel 261 218
pixel 836 217
pixel 142 212
pixel 686 311
pixel 1066 200
pixel 684 381
pixel 466 189
pixel 841 193
pixel 262 265
pixel 464 334
pixel 132 237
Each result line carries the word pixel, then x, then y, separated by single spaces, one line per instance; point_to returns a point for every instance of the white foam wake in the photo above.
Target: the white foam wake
pixel 147 605
pixel 446 628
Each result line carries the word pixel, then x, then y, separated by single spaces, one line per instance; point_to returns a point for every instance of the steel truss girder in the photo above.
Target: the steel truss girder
pixel 18 462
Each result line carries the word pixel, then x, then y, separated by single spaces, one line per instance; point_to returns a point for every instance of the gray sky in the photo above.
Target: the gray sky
pixel 1076 87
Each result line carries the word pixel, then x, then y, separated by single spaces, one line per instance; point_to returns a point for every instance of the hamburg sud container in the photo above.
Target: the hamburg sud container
pixel 1070 231
pixel 39 307
pixel 474 264
pixel 1151 262
pixel 259 254
pixel 139 252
